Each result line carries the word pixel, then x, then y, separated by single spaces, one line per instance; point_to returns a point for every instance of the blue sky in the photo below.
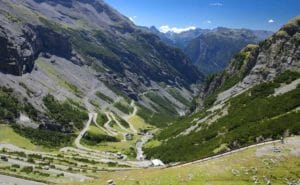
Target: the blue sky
pixel 180 14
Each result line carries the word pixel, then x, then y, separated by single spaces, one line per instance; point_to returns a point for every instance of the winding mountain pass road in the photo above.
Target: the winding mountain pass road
pixel 108 127
pixel 100 127
pixel 83 131
pixel 118 123
pixel 127 118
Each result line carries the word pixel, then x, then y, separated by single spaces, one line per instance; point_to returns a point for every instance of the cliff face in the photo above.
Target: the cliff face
pixel 93 29
pixel 212 51
pixel 18 48
pixel 259 63
pixel 22 43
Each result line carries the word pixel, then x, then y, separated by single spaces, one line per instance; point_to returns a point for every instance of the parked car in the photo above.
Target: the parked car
pixel 4 158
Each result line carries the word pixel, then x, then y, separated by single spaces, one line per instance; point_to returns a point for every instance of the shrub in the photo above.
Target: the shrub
pixel 65 113
pixel 43 137
pixel 15 166
pixel 27 169
pixel 93 139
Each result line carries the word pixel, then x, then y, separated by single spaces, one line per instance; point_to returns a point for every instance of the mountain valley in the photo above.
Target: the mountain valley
pixel 88 97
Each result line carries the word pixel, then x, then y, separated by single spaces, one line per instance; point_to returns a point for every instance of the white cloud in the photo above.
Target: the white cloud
pixel 133 18
pixel 271 21
pixel 216 4
pixel 166 28
pixel 208 22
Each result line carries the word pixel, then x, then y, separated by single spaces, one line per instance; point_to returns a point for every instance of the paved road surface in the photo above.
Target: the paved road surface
pixel 100 127
pixel 118 123
pixel 108 127
pixel 7 180
pixel 139 146
pixel 127 118
pixel 83 131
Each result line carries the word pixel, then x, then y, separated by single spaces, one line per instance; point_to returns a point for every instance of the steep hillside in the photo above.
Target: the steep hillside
pixel 76 49
pixel 255 99
pixel 177 40
pixel 259 63
pixel 212 51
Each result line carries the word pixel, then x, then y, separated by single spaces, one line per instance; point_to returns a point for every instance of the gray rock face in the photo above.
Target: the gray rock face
pixel 22 43
pixel 273 56
pixel 18 48
pixel 104 36
pixel 212 51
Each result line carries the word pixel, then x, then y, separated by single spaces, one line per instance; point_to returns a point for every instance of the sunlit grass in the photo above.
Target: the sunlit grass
pixel 8 135
pixel 139 123
pixel 239 168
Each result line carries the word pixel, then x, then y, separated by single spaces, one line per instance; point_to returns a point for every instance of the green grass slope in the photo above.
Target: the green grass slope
pixel 259 164
pixel 253 115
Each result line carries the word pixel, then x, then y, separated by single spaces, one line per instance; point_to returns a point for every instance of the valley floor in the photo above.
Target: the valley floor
pixel 262 163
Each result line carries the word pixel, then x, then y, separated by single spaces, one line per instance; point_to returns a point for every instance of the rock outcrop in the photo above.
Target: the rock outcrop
pixel 256 64
pixel 21 44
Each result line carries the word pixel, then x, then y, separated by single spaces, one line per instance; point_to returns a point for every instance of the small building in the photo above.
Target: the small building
pixel 128 136
pixel 157 162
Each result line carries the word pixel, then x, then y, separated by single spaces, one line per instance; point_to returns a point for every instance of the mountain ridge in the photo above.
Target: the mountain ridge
pixel 211 49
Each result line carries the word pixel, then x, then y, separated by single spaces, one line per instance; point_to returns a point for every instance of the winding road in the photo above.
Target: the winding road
pixel 107 126
pixel 83 131
pixel 127 118
pixel 139 146
pixel 100 127
pixel 118 123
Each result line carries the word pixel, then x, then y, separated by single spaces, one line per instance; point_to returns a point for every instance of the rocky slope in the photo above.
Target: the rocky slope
pixel 254 100
pixel 70 48
pixel 259 63
pixel 177 40
pixel 211 50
